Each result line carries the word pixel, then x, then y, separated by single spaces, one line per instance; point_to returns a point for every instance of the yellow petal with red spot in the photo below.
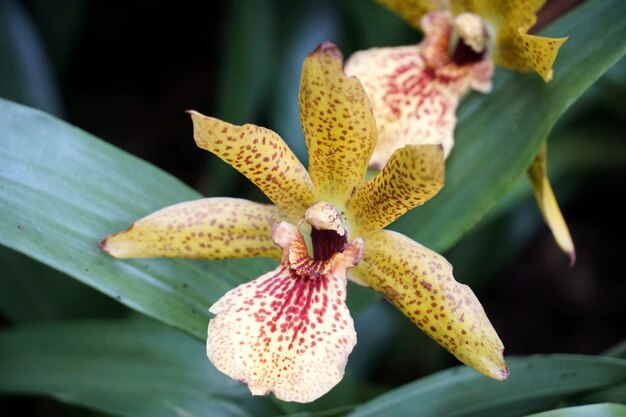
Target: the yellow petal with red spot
pixel 263 157
pixel 548 205
pixel 289 331
pixel 211 228
pixel 513 47
pixel 413 175
pixel 420 283
pixel 413 10
pixel 338 124
pixel 415 90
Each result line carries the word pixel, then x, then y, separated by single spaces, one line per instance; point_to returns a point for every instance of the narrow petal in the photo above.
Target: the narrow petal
pixel 288 331
pixel 520 51
pixel 514 48
pixel 420 283
pixel 211 228
pixel 413 10
pixel 263 157
pixel 548 205
pixel 415 90
pixel 338 124
pixel 412 176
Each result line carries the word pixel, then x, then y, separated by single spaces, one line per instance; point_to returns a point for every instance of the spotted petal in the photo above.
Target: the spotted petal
pixel 263 157
pixel 548 205
pixel 420 283
pixel 514 47
pixel 413 175
pixel 211 228
pixel 289 331
pixel 338 124
pixel 415 90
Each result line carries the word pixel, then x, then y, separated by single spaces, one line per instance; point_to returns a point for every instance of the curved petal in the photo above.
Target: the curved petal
pixel 338 124
pixel 263 157
pixel 211 228
pixel 289 331
pixel 420 283
pixel 548 205
pixel 415 90
pixel 413 175
pixel 413 10
pixel 514 48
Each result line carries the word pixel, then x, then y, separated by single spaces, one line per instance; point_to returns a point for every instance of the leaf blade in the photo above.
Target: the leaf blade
pixel 62 190
pixel 534 382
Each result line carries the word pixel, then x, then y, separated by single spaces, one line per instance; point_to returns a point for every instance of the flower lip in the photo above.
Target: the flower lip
pixel 473 39
pixel 464 54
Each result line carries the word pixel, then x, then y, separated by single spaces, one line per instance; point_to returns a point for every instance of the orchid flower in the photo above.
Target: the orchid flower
pixel 290 331
pixel 415 90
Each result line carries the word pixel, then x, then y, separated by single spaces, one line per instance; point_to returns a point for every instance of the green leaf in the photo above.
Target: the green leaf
pixel 30 291
pixel 499 134
pixel 534 383
pixel 593 410
pixel 62 190
pixel 26 75
pixel 129 368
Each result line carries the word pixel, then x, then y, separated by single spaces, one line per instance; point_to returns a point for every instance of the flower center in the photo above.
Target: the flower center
pixel 328 235
pixel 472 39
pixel 326 243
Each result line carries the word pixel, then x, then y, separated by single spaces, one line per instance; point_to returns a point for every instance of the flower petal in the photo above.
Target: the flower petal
pixel 286 331
pixel 412 176
pixel 211 228
pixel 420 283
pixel 338 124
pixel 413 10
pixel 415 90
pixel 548 205
pixel 514 48
pixel 263 157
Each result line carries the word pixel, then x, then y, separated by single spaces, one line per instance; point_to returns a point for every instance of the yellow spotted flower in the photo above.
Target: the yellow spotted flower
pixel 289 331
pixel 415 90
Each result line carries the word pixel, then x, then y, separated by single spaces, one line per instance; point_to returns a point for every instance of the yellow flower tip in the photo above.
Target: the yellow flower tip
pixel 116 245
pixel 495 367
pixel 328 48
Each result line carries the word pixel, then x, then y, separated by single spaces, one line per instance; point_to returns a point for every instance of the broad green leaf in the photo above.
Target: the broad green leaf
pixel 25 75
pixel 535 383
pixel 592 410
pixel 30 291
pixel 129 368
pixel 62 190
pixel 499 134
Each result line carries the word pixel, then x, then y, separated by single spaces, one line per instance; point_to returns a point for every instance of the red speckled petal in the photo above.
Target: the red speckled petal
pixel 338 124
pixel 415 90
pixel 289 331
pixel 210 228
pixel 420 283
pixel 413 175
pixel 263 157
